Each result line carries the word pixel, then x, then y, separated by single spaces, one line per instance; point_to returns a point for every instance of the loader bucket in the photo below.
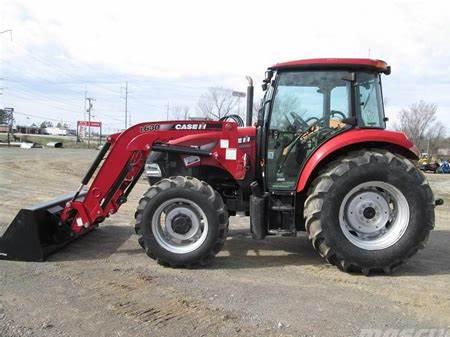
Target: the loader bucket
pixel 36 232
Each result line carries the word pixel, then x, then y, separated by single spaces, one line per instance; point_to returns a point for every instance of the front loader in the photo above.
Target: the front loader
pixel 318 159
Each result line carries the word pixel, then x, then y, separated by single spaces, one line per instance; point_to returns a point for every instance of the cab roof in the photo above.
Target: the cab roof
pixel 335 63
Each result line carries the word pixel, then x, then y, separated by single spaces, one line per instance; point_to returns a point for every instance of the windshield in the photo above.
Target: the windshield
pixel 309 96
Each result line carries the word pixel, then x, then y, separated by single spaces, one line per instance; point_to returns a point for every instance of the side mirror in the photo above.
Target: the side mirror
pixel 267 79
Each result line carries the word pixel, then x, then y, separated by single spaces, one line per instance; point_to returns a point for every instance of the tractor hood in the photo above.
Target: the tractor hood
pixel 202 143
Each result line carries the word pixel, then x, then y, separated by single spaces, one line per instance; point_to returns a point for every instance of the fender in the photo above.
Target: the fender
pixel 354 137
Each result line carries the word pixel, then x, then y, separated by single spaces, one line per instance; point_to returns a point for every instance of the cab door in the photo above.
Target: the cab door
pixel 307 109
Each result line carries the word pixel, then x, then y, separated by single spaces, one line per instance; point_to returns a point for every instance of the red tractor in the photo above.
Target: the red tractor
pixel 318 159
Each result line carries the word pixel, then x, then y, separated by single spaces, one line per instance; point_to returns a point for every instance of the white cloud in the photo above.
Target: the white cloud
pixel 222 41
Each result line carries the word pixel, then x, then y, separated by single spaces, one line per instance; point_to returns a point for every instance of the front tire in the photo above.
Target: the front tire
pixel 182 221
pixel 369 211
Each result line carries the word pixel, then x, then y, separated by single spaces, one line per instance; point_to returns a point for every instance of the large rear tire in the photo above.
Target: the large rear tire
pixel 369 211
pixel 182 221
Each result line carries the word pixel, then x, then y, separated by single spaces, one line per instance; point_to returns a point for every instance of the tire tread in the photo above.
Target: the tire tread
pixel 197 186
pixel 326 180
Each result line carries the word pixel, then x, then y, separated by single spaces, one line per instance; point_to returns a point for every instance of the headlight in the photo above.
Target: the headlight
pixel 153 170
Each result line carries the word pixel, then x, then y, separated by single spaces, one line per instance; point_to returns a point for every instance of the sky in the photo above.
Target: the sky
pixel 170 52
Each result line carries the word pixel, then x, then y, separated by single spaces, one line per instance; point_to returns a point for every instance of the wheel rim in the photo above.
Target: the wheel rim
pixel 179 225
pixel 374 215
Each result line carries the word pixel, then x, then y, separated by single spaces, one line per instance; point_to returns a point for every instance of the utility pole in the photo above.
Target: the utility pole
pixel 167 111
pixel 82 128
pixel 88 110
pixel 85 100
pixel 10 120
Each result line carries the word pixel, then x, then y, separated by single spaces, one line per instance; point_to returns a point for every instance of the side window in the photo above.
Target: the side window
pixel 370 102
pixel 339 106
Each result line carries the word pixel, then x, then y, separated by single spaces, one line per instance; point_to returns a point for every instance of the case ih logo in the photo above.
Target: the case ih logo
pixel 201 126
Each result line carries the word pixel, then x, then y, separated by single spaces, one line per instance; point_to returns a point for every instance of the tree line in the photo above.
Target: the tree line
pixel 420 123
pixel 6 117
pixel 215 103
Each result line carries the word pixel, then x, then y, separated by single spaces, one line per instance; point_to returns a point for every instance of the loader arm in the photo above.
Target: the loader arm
pixel 124 156
pixel 38 231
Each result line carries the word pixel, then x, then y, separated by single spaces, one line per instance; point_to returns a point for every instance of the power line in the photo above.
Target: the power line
pixel 109 116
pixel 51 101
pixel 20 87
pixel 52 65
pixel 65 74
pixel 47 102
pixel 71 78
pixel 37 116
pixel 42 117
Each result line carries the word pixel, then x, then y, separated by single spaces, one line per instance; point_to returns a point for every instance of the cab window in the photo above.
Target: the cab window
pixel 308 108
pixel 369 100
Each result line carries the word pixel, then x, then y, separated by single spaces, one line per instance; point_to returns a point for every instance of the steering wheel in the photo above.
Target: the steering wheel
pixel 301 125
pixel 335 112
pixel 312 119
pixel 298 124
pixel 319 121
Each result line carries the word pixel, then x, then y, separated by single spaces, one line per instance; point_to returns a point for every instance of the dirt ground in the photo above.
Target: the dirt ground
pixel 104 285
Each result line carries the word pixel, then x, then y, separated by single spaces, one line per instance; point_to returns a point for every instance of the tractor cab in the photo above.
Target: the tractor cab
pixel 308 102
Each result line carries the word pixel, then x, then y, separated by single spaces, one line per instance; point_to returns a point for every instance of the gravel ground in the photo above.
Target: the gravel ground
pixel 104 285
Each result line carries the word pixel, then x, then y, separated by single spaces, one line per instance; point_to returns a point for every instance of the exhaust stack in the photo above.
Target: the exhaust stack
pixel 249 114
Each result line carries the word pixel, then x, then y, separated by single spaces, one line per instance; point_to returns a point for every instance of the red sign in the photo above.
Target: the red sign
pixel 91 124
